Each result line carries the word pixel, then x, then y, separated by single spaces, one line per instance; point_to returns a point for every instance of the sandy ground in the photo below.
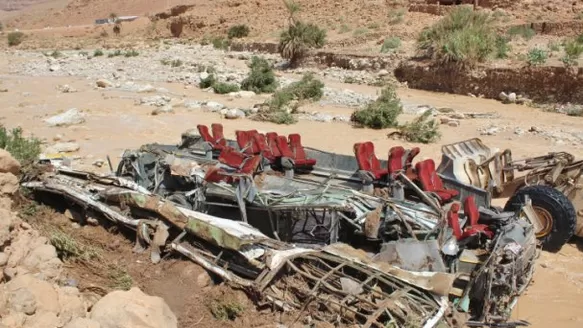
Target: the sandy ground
pixel 115 123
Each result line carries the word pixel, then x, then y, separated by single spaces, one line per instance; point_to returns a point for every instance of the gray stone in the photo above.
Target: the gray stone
pixel 157 100
pixel 512 97
pixel 214 106
pixel 242 94
pixel 192 104
pixel 453 123
pixel 54 68
pixel 233 114
pixel 71 117
pixel 162 110
pixel 63 147
pixel 103 83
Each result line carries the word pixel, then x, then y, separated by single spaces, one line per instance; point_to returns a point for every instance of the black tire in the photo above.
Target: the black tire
pixel 564 216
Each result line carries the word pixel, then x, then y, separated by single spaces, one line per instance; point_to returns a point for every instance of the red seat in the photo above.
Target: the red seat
pixel 244 142
pixel 261 143
pixel 368 161
pixel 215 174
pixel 272 143
pixel 453 220
pixel 232 158
pixel 283 147
pixel 203 130
pixel 410 156
pixel 396 160
pixel 250 165
pixel 218 135
pixel 473 215
pixel 431 182
pixel 300 158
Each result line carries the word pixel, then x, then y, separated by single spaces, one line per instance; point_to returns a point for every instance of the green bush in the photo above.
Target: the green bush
pixel 97 53
pixel 25 150
pixel 464 37
pixel 238 31
pixel 390 44
pixel 298 38
pixel 220 43
pixel 502 47
pixel 114 54
pixel 573 51
pixel 423 129
pixel 523 31
pixel 536 56
pixel 15 38
pixel 225 309
pixel 208 82
pixel 56 54
pixel 131 53
pixel 397 16
pixel 380 114
pixel 261 78
pixel 223 88
pixel 308 88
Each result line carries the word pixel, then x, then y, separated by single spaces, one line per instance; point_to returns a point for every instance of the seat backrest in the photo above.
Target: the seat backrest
pixel 396 160
pixel 272 143
pixel 362 157
pixel 295 142
pixel 203 130
pixel 410 156
pixel 453 220
pixel 251 137
pixel 244 142
pixel 232 158
pixel 375 164
pixel 283 147
pixel 261 143
pixel 471 210
pixel 217 129
pixel 429 179
pixel 250 165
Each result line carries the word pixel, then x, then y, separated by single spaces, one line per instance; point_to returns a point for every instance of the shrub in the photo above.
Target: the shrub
pixel 15 38
pixel 97 53
pixel 536 56
pixel 575 111
pixel 397 16
pixel 220 43
pixel 223 88
pixel 298 38
pixel 307 88
pixel 56 54
pixel 554 46
pixel 223 309
pixel 208 82
pixel 176 63
pixel 25 150
pixel 238 31
pixel 524 31
pixel 114 54
pixel 131 53
pixel 380 114
pixel 573 51
pixel 344 28
pixel 423 129
pixel 502 47
pixel 464 37
pixel 261 78
pixel 390 44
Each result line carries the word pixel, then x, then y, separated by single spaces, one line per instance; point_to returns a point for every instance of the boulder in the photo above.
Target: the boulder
pixel 71 303
pixel 7 221
pixel 31 295
pixel 82 323
pixel 103 83
pixel 71 117
pixel 8 183
pixel 233 114
pixel 242 94
pixel 63 147
pixel 42 320
pixel 162 110
pixel 8 164
pixel 133 308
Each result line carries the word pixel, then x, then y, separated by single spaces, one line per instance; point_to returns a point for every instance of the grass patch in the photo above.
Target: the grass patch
pixel 131 53
pixel 380 114
pixel 97 53
pixel 114 54
pixel 536 57
pixel 172 63
pixel 397 16
pixel 554 46
pixel 523 31
pixel 224 88
pixel 391 44
pixel 575 111
pixel 238 31
pixel 55 54
pixel 573 51
pixel 23 149
pixel 423 129
pixel 70 249
pixel 280 107
pixel 360 31
pixel 261 78
pixel 373 26
pixel 464 37
pixel 15 38
pixel 502 47
pixel 344 29
pixel 224 309
pixel 298 39
pixel 220 43
pixel 120 278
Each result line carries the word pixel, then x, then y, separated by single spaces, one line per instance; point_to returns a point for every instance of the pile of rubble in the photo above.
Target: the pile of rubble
pixel 33 293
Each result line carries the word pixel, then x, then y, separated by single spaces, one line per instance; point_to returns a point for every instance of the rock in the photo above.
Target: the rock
pixel 42 320
pixel 8 183
pixel 162 110
pixel 503 96
pixel 25 225
pixel 98 163
pixel 82 323
pixel 458 116
pixel 518 131
pixel 133 308
pixel 63 147
pixel 71 117
pixel 534 129
pixel 32 295
pixel 3 259
pixel 319 117
pixel 490 131
pixel 383 72
pixel 54 68
pixel 132 87
pixel 453 123
pixel 203 280
pixel 22 300
pixel 192 104
pixel 103 83
pixel 233 114
pixel 445 110
pixel 214 106
pixel 157 100
pixel 8 164
pixel 242 94
pixel 203 75
pixel 71 303
pixel 512 97
pixel 444 120
pixel 65 88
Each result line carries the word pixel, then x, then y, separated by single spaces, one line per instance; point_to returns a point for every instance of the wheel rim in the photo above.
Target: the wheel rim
pixel 545 220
